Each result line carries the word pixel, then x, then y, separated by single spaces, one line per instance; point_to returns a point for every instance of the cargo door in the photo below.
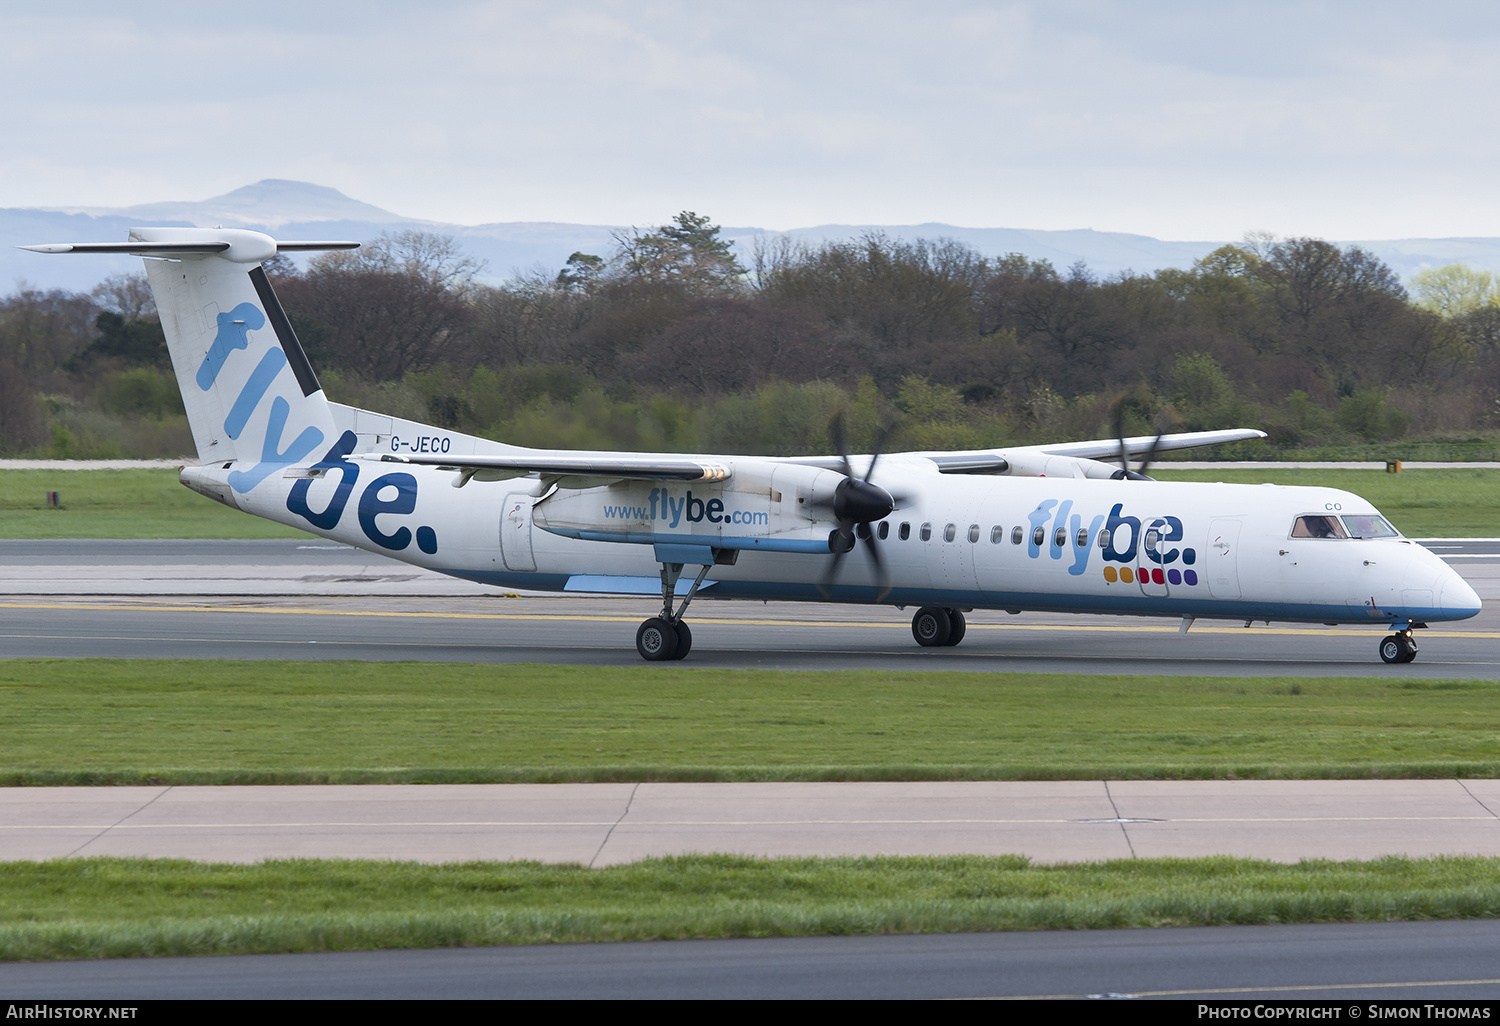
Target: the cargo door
pixel 1221 566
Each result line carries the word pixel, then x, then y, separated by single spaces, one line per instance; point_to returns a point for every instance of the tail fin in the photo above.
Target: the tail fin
pixel 251 396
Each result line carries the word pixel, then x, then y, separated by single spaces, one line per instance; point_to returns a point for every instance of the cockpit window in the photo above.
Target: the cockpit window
pixel 1361 526
pixel 1318 527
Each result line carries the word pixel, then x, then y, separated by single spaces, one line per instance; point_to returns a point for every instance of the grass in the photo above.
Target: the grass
pixel 152 504
pixel 119 504
pixel 112 908
pixel 1421 503
pixel 100 721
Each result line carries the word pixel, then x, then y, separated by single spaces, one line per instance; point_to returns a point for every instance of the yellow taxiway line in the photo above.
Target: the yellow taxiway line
pixel 1169 627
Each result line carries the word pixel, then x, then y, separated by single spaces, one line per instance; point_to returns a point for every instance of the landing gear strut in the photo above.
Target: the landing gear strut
pixel 938 627
pixel 666 636
pixel 1400 647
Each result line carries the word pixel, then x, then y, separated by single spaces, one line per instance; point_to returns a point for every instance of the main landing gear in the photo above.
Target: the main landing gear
pixel 1400 647
pixel 666 636
pixel 938 627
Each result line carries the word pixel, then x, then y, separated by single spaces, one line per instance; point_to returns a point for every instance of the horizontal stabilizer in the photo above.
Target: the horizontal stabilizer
pixel 169 249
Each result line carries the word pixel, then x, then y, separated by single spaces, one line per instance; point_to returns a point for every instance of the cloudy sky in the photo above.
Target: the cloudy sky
pixel 1353 119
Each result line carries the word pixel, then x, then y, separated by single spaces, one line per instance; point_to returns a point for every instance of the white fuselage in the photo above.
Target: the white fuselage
pixel 1024 543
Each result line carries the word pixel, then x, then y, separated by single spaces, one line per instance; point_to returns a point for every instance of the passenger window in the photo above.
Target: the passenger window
pixel 905 531
pixel 927 532
pixel 1082 541
pixel 1318 527
pixel 1104 537
pixel 997 534
pixel 863 530
pixel 1017 535
pixel 885 529
pixel 1039 536
pixel 949 532
pixel 973 533
pixel 1060 537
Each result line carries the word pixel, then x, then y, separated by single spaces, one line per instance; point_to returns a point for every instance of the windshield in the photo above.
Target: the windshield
pixel 1318 527
pixel 1369 526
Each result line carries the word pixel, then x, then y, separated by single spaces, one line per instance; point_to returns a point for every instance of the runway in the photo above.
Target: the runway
pixel 607 824
pixel 313 600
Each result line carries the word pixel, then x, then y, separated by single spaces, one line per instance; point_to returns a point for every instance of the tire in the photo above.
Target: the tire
pixel 931 627
pixel 958 626
pixel 1392 650
pixel 1408 648
pixel 684 640
pixel 656 640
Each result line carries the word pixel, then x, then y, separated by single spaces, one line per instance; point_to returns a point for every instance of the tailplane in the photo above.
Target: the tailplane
pixel 251 395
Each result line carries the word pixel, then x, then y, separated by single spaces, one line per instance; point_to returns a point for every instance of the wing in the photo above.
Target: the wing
pixel 552 464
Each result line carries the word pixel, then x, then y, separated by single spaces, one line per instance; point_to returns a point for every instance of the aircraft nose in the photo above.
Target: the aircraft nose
pixel 1458 600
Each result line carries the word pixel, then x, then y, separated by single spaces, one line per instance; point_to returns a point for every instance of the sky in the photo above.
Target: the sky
pixel 1181 120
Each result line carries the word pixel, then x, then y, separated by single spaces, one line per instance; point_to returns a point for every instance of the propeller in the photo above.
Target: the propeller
pixel 1125 473
pixel 857 503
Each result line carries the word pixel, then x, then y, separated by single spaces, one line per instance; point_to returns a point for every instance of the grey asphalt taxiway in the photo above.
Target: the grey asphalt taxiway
pixel 317 600
pixel 1334 964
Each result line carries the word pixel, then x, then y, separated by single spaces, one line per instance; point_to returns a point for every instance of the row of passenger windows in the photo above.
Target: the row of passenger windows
pixel 997 534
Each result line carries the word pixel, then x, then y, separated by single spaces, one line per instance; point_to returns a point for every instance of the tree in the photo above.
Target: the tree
pixel 686 254
pixel 1455 290
pixel 582 273
pixel 128 295
pixel 393 305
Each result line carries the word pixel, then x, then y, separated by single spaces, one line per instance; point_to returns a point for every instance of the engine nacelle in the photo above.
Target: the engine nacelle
pixel 773 507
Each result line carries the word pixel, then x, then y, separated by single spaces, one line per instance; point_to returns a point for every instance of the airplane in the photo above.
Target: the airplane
pixel 1051 528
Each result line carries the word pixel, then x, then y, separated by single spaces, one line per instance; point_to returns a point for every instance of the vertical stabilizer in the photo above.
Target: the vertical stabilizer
pixel 250 393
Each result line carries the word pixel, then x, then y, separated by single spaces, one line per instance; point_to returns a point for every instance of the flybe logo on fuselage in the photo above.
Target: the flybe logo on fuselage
pixel 1149 548
pixel 661 505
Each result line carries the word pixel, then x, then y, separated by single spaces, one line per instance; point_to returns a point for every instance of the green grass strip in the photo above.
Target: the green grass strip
pixel 114 908
pixel 119 504
pixel 102 721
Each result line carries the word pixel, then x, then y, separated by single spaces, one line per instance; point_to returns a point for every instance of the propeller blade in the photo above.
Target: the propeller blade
pixel 880 572
pixel 841 542
pixel 885 432
pixel 1150 453
pixel 1120 434
pixel 840 443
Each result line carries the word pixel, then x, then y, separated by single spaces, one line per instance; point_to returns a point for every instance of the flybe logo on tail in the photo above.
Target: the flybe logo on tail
pixel 389 493
pixel 234 330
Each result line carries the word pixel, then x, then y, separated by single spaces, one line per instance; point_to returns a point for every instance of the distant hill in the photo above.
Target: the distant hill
pixel 290 210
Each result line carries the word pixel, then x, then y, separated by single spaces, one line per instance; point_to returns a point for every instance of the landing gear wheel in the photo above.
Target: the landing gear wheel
pixel 932 627
pixel 958 624
pixel 684 640
pixel 1398 648
pixel 656 640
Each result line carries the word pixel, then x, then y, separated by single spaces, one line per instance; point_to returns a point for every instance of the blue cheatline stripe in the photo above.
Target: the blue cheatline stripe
pixel 609 585
pixel 255 389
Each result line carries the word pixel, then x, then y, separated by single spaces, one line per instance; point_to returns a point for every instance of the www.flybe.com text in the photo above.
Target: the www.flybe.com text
pixel 661 505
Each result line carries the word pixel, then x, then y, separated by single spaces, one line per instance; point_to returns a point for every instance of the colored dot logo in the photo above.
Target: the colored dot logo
pixel 1129 575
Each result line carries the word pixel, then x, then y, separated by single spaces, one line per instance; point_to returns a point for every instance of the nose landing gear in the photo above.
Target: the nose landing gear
pixel 1400 647
pixel 667 637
